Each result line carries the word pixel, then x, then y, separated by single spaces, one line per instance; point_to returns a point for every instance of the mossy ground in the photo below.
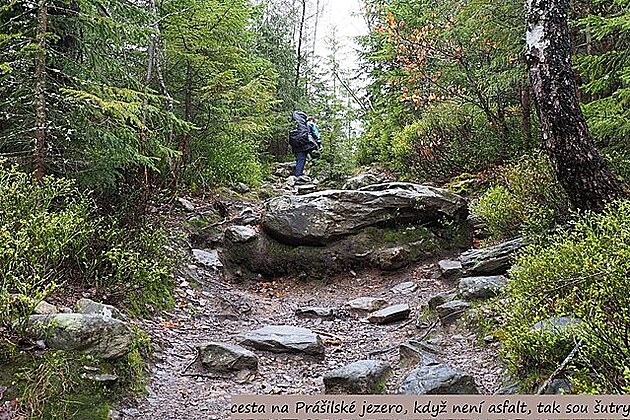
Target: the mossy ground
pixel 50 384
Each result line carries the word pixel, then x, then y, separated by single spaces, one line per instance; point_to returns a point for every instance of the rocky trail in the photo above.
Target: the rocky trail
pixel 341 324
pixel 218 311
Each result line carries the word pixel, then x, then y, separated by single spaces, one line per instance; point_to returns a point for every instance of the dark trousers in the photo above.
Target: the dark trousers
pixel 300 161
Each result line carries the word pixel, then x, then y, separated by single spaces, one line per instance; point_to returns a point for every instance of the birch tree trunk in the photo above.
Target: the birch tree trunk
pixel 526 102
pixel 579 168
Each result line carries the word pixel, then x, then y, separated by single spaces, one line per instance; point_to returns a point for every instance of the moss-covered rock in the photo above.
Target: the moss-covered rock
pixel 269 257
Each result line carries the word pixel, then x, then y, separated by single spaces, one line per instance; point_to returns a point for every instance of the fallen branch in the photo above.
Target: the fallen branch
pixel 386 350
pixel 327 334
pixel 560 368
pixel 404 324
pixel 429 329
pixel 190 364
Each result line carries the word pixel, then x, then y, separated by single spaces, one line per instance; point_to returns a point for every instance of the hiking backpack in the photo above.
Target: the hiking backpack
pixel 298 137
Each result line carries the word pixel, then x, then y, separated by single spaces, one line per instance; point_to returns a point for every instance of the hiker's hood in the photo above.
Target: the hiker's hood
pixel 299 117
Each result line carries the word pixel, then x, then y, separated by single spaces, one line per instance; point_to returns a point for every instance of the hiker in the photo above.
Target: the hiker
pixel 300 142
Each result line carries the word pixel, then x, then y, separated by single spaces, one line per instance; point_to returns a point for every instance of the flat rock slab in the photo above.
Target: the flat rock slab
pixel 208 258
pixel 405 288
pixel 240 234
pixel 437 378
pixel 360 377
pixel 440 299
pixel 284 339
pixel 481 287
pixel 45 308
pixel 315 312
pixel 495 259
pixel 450 268
pixel 366 303
pixel 450 311
pixel 90 307
pixel 103 337
pixel 390 314
pixel 225 357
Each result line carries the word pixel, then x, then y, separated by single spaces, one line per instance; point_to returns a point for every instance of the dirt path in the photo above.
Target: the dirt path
pixel 214 310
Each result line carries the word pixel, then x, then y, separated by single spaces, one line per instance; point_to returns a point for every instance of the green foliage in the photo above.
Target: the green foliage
pixel 581 273
pixel 222 87
pixel 54 384
pixel 50 235
pixel 447 84
pixel 101 123
pixel 441 144
pixel 133 91
pixel 335 109
pixel 44 230
pixel 337 158
pixel 133 267
pixel 605 68
pixel 527 199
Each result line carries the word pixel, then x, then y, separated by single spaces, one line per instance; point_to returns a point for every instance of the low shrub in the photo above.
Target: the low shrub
pixel 51 234
pixel 526 198
pixel 582 273
pixel 54 239
pixel 443 143
pixel 45 229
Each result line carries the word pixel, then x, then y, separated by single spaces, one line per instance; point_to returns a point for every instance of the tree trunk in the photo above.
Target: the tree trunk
pixel 526 102
pixel 39 156
pixel 299 47
pixel 579 168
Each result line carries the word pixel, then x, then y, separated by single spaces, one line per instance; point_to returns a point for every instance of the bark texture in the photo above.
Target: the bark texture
pixel 39 156
pixel 579 167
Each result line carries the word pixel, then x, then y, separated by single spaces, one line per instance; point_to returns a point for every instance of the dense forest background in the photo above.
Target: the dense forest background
pixel 107 107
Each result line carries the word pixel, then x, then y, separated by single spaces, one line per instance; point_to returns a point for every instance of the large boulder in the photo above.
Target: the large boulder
pixel 323 217
pixel 435 377
pixel 101 336
pixel 271 258
pixel 284 339
pixel 495 259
